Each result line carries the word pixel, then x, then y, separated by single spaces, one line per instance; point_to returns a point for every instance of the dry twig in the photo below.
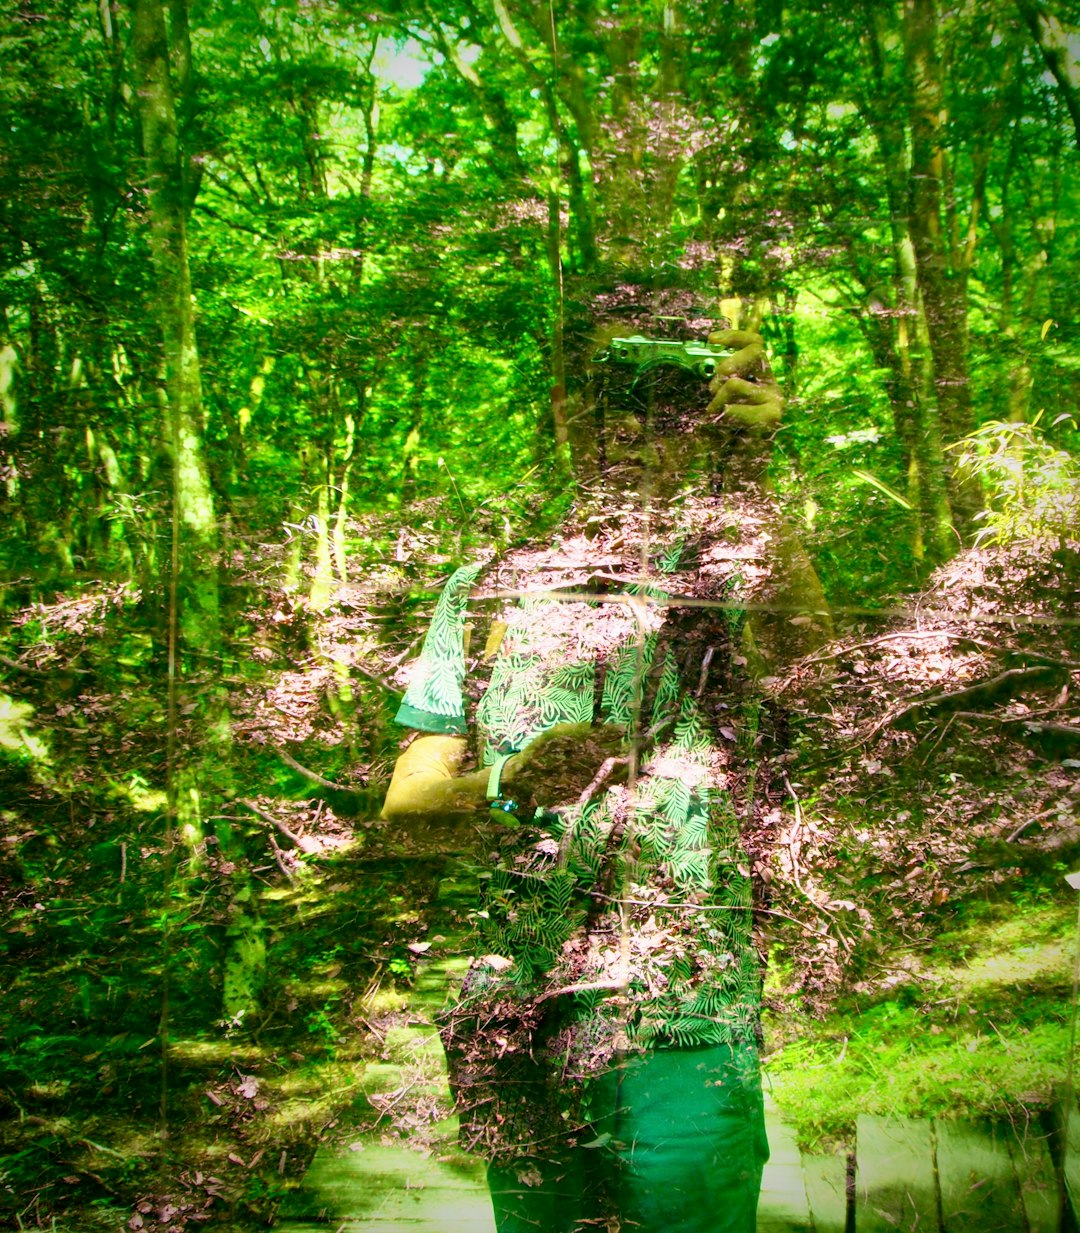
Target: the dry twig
pixel 314 776
pixel 296 840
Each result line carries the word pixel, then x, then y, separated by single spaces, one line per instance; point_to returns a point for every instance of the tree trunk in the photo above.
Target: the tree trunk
pixel 169 253
pixel 198 773
pixel 943 289
pixel 898 339
pixel 339 542
pixel 9 425
pixel 558 352
pixel 1056 45
pixel 410 454
pixel 322 578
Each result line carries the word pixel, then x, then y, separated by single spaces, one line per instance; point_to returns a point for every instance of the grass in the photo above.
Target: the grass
pixel 977 1026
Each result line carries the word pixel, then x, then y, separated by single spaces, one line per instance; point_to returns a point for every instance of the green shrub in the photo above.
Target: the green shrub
pixel 1032 488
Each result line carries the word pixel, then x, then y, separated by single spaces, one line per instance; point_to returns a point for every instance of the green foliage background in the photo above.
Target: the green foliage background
pixel 391 219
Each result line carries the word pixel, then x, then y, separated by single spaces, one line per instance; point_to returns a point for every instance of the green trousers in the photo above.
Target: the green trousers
pixel 676 1145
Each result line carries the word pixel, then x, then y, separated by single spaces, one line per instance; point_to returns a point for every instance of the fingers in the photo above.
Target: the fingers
pixel 748 358
pixel 754 404
pixel 734 338
pixel 735 390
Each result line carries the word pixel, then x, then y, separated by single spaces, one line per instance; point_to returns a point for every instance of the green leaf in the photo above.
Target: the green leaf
pixel 881 486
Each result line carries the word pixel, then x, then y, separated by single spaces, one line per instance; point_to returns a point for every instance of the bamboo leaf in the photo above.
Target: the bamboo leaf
pixel 881 486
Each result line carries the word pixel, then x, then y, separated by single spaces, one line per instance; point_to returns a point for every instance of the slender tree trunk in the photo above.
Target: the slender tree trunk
pixel 558 352
pixel 917 430
pixel 322 579
pixel 9 427
pixel 899 339
pixel 1019 381
pixel 169 252
pixel 411 451
pixel 199 773
pixel 943 288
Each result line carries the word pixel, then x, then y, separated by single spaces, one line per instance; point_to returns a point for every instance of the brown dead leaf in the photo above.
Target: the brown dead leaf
pixel 248 1087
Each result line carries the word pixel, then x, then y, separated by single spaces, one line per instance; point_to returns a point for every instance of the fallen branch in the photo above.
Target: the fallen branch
pixel 368 676
pixel 100 1147
pixel 601 776
pixel 378 1033
pixel 1046 813
pixel 706 660
pixel 945 731
pixel 393 663
pixel 997 688
pixel 297 841
pixel 588 987
pixel 794 845
pixel 382 682
pixel 375 680
pixel 279 856
pixel 1050 660
pixel 314 776
pixel 1065 732
pixel 15 666
pixel 387 1104
pixel 606 767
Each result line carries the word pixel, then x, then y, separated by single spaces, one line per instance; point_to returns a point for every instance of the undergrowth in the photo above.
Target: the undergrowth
pixel 976 1024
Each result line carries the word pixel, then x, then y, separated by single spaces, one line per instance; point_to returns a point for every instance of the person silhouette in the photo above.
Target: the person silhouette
pixel 604 1047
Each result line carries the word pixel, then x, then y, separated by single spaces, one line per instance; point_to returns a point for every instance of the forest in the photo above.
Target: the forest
pixel 297 309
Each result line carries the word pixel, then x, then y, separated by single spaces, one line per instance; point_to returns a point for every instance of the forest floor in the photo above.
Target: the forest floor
pixel 933 811
pixel 913 907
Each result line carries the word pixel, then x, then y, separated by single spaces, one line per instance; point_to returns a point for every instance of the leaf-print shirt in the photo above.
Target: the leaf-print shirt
pixel 626 916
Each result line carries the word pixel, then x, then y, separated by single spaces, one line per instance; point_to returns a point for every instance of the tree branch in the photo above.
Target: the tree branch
pixel 1054 58
pixel 297 841
pixel 1002 686
pixel 314 776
